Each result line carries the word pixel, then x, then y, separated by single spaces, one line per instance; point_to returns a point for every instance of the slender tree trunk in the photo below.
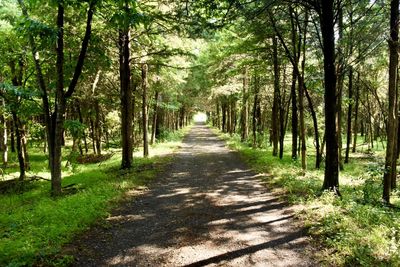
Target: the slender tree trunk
pixel 97 126
pixel 92 133
pixel 144 111
pixel 154 124
pixel 301 98
pixel 276 101
pixel 340 81
pixel 24 144
pixel 160 119
pixel 4 145
pixel 81 121
pixel 331 177
pixel 349 113
pixel 232 115
pixel 218 115
pixel 12 136
pixel 224 119
pixel 245 110
pixel 390 161
pixel 20 152
pixel 295 121
pixel 229 113
pixel 355 126
pixel 126 96
pixel 318 150
pixel 257 120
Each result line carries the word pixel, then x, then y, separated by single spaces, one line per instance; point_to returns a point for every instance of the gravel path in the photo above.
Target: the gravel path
pixel 206 209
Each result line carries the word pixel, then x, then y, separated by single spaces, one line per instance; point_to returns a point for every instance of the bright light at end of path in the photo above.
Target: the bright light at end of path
pixel 200 117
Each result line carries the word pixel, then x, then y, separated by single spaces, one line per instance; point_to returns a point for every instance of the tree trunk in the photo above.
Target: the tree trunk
pixel 81 121
pixel 301 98
pixel 224 120
pixel 318 149
pixel 340 81
pixel 126 96
pixel 390 161
pixel 276 101
pixel 144 111
pixel 97 126
pixel 24 144
pixel 154 124
pixel 245 110
pixel 257 122
pixel 160 119
pixel 349 112
pixel 20 152
pixel 12 136
pixel 331 177
pixel 55 120
pixel 3 136
pixel 294 116
pixel 92 133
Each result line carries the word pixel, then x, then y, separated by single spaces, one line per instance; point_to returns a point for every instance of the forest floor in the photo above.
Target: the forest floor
pixel 205 208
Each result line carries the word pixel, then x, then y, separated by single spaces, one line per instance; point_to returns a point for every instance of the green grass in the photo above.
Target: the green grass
pixel 34 226
pixel 355 230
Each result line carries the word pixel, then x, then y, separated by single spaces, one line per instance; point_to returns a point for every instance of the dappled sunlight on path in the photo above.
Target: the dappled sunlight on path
pixel 206 208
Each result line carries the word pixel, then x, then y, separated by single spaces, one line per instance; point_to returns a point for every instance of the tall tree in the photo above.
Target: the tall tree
pixel 125 88
pixel 389 176
pixel 145 116
pixel 327 22
pixel 276 100
pixel 55 119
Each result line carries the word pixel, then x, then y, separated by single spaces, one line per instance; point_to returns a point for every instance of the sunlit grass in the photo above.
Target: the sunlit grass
pixel 356 229
pixel 34 226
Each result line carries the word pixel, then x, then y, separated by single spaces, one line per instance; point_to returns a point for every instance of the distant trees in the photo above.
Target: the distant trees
pixel 328 76
pixel 269 71
pixel 70 84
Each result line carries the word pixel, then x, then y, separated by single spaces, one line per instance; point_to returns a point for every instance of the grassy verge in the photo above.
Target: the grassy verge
pixel 34 226
pixel 355 230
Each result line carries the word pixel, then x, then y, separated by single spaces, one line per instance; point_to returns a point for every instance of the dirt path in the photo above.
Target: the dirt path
pixel 207 208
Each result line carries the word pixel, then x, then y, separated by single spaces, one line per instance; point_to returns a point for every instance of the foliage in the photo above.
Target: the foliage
pixel 356 230
pixel 34 226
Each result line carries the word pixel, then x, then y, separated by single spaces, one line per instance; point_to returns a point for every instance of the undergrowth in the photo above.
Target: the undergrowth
pixel 356 229
pixel 35 226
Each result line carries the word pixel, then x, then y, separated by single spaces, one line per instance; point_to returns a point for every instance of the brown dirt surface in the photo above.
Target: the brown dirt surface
pixel 206 209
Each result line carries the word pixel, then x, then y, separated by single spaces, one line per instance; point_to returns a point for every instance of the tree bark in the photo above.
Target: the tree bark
pixel 390 161
pixel 301 97
pixel 4 145
pixel 349 113
pixel 355 126
pixel 155 114
pixel 144 111
pixel 245 110
pixel 295 120
pixel 276 101
pixel 126 95
pixel 331 177
pixel 20 152
pixel 340 81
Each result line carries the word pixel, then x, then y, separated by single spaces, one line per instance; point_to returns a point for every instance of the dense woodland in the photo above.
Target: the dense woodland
pixel 313 82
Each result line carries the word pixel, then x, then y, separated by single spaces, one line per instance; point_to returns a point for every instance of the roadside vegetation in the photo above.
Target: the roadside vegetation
pixel 355 229
pixel 34 226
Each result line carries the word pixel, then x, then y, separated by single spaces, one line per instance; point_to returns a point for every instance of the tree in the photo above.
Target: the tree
pixel 55 119
pixel 327 22
pixel 389 178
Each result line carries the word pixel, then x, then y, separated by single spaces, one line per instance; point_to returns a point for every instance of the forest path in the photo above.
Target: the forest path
pixel 206 208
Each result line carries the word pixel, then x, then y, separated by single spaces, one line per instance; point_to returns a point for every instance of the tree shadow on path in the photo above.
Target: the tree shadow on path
pixel 206 208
